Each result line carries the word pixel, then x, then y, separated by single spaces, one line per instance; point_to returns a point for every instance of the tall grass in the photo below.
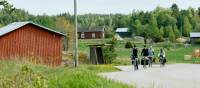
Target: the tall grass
pixel 18 75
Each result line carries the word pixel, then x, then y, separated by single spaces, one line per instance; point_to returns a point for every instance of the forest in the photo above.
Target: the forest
pixel 159 24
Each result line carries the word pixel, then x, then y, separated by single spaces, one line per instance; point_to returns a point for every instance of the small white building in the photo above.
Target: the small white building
pixel 194 34
pixel 123 32
pixel 195 37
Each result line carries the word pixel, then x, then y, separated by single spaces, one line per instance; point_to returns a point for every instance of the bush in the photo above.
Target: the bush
pixel 109 56
pixel 109 32
pixel 109 53
pixel 128 45
pixel 157 39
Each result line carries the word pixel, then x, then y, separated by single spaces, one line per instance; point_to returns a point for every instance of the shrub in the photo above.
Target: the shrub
pixel 109 56
pixel 109 53
pixel 128 45
pixel 157 39
pixel 109 32
pixel 113 43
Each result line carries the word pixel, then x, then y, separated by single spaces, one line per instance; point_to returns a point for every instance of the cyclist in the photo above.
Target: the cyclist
pixel 145 54
pixel 162 58
pixel 135 57
pixel 151 55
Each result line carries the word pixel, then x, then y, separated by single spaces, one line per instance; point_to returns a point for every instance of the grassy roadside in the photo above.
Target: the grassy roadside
pixel 14 75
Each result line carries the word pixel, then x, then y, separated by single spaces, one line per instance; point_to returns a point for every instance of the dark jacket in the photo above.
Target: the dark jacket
pixel 134 53
pixel 145 52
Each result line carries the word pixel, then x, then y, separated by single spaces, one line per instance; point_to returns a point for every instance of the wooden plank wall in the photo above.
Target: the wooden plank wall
pixel 32 41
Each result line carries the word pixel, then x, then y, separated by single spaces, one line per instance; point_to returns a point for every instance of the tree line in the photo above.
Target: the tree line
pixel 161 23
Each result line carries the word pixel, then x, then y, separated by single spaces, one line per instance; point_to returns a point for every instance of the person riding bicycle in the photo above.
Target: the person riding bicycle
pixel 162 58
pixel 135 57
pixel 145 54
pixel 151 55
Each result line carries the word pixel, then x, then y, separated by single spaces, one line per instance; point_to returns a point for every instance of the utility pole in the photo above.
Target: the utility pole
pixel 76 37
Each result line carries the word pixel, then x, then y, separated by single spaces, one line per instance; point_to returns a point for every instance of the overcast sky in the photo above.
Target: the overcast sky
pixel 53 7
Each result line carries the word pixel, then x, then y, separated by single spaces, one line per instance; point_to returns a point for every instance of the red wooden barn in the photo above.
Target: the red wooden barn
pixel 27 39
pixel 91 33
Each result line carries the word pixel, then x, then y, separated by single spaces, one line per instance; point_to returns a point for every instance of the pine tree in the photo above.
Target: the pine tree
pixel 161 31
pixel 195 23
pixel 197 27
pixel 175 10
pixel 166 31
pixel 145 32
pixel 176 32
pixel 137 27
pixel 171 34
pixel 187 27
pixel 155 35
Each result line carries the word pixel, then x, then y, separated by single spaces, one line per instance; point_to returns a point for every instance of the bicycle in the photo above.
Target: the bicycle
pixel 162 62
pixel 135 63
pixel 144 62
pixel 150 61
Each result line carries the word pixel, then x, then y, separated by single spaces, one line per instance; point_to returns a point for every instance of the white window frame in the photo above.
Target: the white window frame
pixel 93 35
pixel 82 35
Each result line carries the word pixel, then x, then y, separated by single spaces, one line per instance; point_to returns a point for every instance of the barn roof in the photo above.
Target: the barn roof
pixel 91 29
pixel 194 34
pixel 122 30
pixel 13 26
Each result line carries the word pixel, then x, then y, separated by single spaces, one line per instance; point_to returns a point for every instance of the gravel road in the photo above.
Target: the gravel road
pixel 171 76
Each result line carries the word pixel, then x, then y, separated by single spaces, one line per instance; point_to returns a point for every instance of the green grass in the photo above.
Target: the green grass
pixel 174 55
pixel 177 55
pixel 35 76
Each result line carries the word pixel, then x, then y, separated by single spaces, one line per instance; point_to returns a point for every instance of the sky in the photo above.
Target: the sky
pixel 54 7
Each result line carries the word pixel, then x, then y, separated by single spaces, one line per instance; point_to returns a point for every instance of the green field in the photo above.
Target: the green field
pixel 174 55
pixel 18 75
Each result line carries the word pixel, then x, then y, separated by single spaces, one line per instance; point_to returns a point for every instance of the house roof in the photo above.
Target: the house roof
pixel 13 26
pixel 122 30
pixel 92 29
pixel 194 34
